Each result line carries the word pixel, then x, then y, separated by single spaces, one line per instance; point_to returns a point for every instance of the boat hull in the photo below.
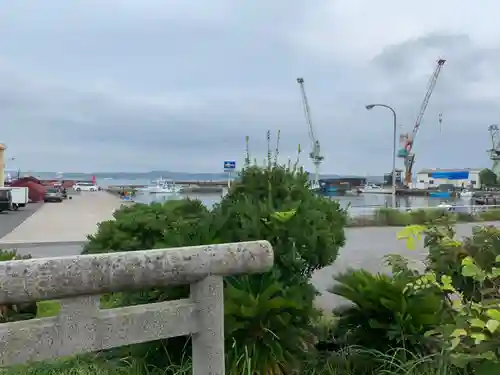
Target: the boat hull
pixel 440 194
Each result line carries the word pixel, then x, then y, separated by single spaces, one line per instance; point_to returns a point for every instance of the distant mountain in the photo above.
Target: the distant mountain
pixel 153 175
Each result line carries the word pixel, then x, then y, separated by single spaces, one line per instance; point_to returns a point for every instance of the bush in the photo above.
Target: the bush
pixel 154 226
pixel 268 318
pixel 490 215
pixel 446 255
pixel 382 316
pixel 472 336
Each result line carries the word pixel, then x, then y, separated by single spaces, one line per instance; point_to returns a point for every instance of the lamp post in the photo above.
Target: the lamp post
pixel 369 107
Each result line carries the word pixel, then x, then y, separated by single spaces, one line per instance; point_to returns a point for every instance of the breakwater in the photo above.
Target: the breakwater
pixel 191 189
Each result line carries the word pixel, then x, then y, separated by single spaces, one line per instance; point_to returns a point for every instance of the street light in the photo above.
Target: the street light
pixel 369 107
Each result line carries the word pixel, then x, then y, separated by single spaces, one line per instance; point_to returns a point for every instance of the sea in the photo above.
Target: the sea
pixel 360 205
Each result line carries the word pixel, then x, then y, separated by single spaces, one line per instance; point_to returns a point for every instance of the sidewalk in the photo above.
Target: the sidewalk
pixel 69 221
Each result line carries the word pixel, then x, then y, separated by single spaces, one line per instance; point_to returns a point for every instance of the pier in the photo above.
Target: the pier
pixel 69 221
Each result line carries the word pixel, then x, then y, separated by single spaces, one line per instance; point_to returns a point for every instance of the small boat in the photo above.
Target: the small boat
pixel 445 205
pixel 467 194
pixel 162 187
pixel 372 188
pixel 440 194
pixel 314 185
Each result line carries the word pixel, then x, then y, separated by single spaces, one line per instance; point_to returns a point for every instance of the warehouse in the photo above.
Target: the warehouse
pixel 460 178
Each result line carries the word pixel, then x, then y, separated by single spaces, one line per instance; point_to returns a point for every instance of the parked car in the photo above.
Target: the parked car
pixel 5 199
pixel 53 195
pixel 85 186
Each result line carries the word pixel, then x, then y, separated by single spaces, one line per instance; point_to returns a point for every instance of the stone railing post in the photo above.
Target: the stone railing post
pixel 208 342
pixel 82 327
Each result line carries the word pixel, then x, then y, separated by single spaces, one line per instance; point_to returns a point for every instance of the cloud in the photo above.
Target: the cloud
pixel 124 85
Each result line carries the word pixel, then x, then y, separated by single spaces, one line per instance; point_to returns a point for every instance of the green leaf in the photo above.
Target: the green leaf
pixel 476 323
pixel 478 337
pixel 493 314
pixel 492 325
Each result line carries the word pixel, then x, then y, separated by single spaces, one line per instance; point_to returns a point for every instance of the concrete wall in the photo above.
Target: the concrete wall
pixel 82 326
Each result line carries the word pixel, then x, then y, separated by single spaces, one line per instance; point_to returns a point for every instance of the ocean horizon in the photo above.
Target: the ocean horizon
pixel 141 178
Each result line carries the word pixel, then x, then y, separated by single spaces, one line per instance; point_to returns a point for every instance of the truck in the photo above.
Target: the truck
pixel 20 197
pixel 5 199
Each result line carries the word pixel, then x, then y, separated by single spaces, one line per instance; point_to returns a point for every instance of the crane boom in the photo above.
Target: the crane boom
pixel 307 110
pixel 408 140
pixel 315 154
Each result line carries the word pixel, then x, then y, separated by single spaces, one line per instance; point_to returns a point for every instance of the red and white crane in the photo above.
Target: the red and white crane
pixel 407 140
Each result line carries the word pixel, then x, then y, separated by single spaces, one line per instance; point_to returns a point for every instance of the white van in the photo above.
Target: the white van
pixel 20 197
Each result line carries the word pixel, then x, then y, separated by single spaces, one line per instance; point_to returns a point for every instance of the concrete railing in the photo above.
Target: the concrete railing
pixel 81 326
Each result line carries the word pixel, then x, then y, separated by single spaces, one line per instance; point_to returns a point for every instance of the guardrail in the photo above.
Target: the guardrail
pixel 81 326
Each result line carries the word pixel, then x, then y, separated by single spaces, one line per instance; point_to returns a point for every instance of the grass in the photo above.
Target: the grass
pixel 47 309
pixel 397 218
pixel 338 363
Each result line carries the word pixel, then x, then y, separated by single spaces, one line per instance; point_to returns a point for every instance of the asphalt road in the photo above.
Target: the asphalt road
pixel 9 220
pixel 365 248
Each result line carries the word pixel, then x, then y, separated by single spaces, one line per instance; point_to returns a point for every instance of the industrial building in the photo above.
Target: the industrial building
pixel 460 178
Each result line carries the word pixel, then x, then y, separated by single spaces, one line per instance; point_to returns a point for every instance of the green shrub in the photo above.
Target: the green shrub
pixel 266 326
pixel 490 215
pixel 183 222
pixel 446 255
pixel 158 225
pixel 471 337
pixel 390 216
pixel 419 216
pixel 381 315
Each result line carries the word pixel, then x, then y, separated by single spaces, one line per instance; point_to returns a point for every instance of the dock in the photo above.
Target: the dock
pixel 69 221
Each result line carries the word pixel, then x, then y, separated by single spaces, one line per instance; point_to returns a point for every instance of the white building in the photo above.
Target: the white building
pixel 467 177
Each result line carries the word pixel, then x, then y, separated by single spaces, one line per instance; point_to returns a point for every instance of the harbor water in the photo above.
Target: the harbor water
pixel 363 204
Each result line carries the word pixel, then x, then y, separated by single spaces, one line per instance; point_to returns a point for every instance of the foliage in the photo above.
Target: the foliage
pixel 488 177
pixel 160 225
pixel 265 322
pixel 13 312
pixel 446 255
pixel 154 226
pixel 274 203
pixel 472 336
pixel 267 317
pixel 381 315
pixel 399 218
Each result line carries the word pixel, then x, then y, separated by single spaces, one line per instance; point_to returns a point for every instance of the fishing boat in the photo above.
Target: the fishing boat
pixel 445 205
pixel 314 186
pixel 372 188
pixel 440 194
pixel 466 194
pixel 162 186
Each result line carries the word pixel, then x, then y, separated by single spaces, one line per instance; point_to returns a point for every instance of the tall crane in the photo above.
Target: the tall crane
pixel 495 149
pixel 315 154
pixel 408 140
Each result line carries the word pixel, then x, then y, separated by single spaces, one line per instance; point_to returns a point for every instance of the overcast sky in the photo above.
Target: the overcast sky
pixel 137 85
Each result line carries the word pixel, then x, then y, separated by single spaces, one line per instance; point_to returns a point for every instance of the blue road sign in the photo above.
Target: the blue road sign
pixel 229 165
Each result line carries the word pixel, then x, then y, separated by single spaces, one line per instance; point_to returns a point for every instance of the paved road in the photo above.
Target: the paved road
pixel 70 220
pixel 365 248
pixel 9 220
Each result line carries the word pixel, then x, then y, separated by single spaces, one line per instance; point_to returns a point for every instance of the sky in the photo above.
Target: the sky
pixel 127 85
